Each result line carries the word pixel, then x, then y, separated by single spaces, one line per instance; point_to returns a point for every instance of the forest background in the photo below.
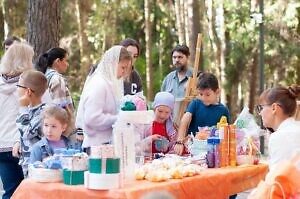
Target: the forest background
pixel 230 38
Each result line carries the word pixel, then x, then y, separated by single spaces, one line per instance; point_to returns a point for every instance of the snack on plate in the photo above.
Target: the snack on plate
pixel 191 170
pixel 139 174
pixel 157 176
pixel 171 166
pixel 177 172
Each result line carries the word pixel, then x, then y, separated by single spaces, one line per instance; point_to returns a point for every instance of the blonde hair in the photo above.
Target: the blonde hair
pixel 35 80
pixel 58 113
pixel 17 59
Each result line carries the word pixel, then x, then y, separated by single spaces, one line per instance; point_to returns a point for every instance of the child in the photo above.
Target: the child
pixel 55 123
pixel 31 86
pixel 101 95
pixel 205 111
pixel 163 132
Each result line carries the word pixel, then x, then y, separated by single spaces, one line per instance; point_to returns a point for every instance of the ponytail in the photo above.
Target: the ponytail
pixel 47 59
pixel 42 63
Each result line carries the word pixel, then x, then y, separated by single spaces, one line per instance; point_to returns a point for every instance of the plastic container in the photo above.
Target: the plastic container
pixel 213 152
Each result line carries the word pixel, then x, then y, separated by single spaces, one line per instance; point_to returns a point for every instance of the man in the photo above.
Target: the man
pixel 175 82
pixel 9 41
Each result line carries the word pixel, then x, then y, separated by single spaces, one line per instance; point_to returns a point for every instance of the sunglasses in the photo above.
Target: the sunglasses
pixel 20 86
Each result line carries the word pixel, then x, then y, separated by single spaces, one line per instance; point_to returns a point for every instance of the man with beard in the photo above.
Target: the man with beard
pixel 175 82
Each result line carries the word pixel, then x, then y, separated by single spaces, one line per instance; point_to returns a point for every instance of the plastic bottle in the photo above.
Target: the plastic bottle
pixel 217 152
pixel 232 145
pixel 224 145
pixel 210 153
pixel 213 152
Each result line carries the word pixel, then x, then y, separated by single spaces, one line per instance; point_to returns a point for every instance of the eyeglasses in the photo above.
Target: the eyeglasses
pixel 20 86
pixel 260 107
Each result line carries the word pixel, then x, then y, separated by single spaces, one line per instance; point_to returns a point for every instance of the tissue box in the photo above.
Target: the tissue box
pixel 73 177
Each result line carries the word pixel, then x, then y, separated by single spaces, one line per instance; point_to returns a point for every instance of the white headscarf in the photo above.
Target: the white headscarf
pixel 107 69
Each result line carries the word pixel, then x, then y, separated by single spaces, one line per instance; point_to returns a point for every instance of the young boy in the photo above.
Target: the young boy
pixel 203 111
pixel 31 87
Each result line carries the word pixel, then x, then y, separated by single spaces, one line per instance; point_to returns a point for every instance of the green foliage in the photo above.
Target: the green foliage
pixel 110 21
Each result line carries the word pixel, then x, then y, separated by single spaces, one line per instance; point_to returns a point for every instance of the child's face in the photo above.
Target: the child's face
pixel 123 68
pixel 208 96
pixel 162 113
pixel 53 128
pixel 24 93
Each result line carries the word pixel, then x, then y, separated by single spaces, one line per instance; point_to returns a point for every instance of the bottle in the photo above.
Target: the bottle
pixel 210 153
pixel 217 152
pixel 232 145
pixel 224 145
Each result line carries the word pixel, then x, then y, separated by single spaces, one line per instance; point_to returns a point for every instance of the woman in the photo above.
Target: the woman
pixel 277 108
pixel 132 83
pixel 53 64
pixel 99 103
pixel 16 60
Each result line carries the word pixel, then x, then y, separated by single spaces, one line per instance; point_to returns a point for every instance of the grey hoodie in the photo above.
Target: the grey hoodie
pixel 9 108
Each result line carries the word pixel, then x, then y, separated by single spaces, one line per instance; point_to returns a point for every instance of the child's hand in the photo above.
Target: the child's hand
pixel 16 150
pixel 156 137
pixel 178 149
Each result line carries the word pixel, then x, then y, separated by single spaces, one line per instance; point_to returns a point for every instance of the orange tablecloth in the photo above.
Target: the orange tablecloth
pixel 211 183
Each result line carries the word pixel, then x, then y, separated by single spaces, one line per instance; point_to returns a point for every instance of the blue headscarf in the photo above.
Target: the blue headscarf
pixel 166 99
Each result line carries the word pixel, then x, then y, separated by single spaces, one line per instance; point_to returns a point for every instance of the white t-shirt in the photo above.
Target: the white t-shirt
pixel 284 142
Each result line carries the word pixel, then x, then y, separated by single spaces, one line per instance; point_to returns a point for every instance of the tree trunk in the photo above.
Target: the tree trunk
pixel 180 21
pixel 253 78
pixel 14 13
pixel 222 51
pixel 214 41
pixel 83 8
pixel 194 27
pixel 2 37
pixel 187 30
pixel 43 24
pixel 148 35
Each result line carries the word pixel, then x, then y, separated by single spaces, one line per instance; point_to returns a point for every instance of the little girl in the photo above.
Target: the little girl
pixel 163 132
pixel 55 123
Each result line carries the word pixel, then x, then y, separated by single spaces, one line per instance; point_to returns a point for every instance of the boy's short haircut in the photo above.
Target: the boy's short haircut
pixel 36 81
pixel 207 81
pixel 181 48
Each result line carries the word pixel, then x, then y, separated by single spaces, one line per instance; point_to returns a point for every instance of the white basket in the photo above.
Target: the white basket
pixel 45 175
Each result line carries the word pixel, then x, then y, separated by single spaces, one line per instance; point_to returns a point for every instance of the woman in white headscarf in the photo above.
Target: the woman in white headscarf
pixel 99 103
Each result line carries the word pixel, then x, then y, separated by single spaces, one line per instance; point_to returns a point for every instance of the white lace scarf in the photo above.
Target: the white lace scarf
pixel 107 69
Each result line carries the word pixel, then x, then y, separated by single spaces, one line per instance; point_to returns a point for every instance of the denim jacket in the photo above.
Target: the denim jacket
pixel 42 149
